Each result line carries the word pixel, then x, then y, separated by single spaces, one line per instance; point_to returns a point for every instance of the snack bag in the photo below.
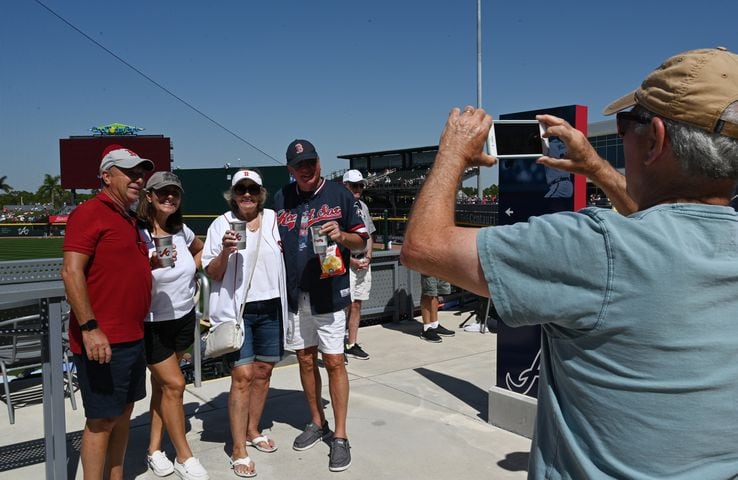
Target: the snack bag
pixel 331 263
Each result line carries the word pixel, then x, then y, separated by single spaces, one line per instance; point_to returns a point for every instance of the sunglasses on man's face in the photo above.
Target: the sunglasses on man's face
pixel 241 189
pixel 306 164
pixel 133 173
pixel 624 119
pixel 359 186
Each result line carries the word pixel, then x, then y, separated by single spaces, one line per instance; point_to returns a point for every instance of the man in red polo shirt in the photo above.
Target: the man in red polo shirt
pixel 107 277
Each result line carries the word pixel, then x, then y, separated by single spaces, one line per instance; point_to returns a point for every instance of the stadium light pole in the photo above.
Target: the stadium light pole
pixel 479 83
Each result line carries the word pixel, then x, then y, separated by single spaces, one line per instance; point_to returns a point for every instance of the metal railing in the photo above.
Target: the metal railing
pixel 202 314
pixel 39 281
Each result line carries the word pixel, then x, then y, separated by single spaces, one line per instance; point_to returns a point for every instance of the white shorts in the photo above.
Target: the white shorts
pixel 305 329
pixel 361 283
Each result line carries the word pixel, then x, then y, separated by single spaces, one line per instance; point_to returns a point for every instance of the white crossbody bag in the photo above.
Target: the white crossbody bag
pixel 228 336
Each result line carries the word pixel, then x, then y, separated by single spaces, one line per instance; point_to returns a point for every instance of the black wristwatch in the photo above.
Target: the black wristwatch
pixel 89 325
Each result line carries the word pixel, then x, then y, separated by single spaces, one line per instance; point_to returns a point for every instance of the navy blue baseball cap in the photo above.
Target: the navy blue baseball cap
pixel 300 150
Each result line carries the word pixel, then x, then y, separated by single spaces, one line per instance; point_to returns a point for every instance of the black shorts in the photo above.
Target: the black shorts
pixel 108 387
pixel 163 339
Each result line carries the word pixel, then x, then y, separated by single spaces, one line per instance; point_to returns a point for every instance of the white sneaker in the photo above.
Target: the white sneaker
pixel 473 327
pixel 191 469
pixel 160 464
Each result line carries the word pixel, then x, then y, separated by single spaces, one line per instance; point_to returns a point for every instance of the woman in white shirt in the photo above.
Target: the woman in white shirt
pixel 169 329
pixel 252 281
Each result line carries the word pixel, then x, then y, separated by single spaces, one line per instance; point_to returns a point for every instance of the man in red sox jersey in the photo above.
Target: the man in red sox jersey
pixel 316 305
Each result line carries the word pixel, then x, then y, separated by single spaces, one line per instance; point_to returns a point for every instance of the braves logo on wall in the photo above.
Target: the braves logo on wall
pixel 526 379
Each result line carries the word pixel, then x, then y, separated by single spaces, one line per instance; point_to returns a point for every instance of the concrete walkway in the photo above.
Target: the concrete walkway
pixel 418 411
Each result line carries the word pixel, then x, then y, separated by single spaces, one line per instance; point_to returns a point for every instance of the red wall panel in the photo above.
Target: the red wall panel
pixel 80 157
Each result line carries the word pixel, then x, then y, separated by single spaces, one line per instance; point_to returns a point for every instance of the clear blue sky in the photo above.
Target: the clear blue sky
pixel 349 76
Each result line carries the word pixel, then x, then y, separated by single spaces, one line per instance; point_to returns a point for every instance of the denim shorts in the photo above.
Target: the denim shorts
pixel 263 333
pixel 108 387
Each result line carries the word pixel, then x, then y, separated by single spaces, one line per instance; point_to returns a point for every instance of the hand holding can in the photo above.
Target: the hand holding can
pixel 239 228
pixel 164 250
pixel 320 240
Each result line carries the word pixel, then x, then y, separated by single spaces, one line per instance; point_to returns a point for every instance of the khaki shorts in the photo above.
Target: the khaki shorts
pixel 324 330
pixel 433 287
pixel 361 283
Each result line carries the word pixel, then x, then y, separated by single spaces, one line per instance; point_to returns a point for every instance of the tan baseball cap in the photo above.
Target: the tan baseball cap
pixel 163 179
pixel 693 87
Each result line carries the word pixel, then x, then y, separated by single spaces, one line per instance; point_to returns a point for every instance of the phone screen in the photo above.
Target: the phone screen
pixel 517 138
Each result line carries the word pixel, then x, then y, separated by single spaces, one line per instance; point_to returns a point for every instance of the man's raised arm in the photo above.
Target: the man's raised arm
pixel 433 244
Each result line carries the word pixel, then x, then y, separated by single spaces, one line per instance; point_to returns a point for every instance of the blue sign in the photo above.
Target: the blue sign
pixel 528 189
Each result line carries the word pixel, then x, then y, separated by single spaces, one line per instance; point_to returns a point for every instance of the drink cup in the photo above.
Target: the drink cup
pixel 320 240
pixel 164 250
pixel 240 229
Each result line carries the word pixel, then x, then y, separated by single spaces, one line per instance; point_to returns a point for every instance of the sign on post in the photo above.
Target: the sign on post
pixel 528 189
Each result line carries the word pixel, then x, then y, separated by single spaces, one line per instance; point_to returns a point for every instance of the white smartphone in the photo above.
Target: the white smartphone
pixel 517 139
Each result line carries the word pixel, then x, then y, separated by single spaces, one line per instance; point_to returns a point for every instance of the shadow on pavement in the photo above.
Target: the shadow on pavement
pixel 515 462
pixel 408 327
pixel 465 391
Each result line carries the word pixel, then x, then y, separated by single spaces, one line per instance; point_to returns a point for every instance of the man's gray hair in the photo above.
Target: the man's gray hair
pixel 699 152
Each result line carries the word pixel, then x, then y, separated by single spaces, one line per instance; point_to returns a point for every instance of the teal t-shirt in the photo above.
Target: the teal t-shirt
pixel 639 347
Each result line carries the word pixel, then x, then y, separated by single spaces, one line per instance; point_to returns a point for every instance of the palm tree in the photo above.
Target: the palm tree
pixel 51 189
pixel 4 186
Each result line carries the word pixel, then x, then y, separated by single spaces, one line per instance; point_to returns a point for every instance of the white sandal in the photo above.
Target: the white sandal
pixel 245 461
pixel 254 442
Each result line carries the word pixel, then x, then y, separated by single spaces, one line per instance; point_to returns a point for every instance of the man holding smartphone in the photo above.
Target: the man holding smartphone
pixel 632 383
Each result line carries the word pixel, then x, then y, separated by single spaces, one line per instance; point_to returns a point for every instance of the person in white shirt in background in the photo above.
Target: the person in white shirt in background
pixel 360 273
pixel 169 329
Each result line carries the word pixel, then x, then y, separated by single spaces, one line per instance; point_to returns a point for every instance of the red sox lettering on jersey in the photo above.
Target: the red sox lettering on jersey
pixel 285 218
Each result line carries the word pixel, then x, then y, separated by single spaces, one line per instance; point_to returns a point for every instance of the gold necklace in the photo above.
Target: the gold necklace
pixel 256 225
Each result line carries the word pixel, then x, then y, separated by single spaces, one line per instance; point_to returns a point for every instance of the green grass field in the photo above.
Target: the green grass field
pixel 15 248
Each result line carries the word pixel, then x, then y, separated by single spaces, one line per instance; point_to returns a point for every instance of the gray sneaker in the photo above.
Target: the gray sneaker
pixel 340 456
pixel 311 436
